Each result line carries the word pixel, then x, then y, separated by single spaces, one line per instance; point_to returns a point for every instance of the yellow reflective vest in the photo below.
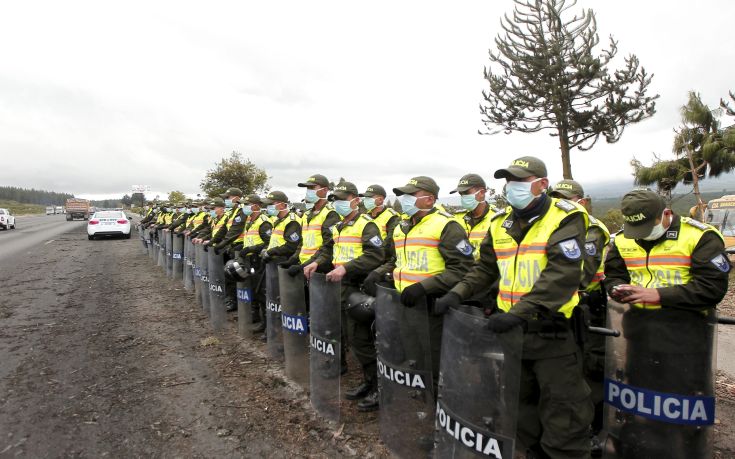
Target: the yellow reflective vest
pixel 168 218
pixel 199 219
pixel 311 232
pixel 382 220
pixel 600 274
pixel 476 233
pixel 348 240
pixel 521 264
pixel 277 239
pixel 417 253
pixel 251 235
pixel 668 263
pixel 218 223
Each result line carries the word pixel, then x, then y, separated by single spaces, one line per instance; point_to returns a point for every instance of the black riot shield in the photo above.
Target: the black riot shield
pixel 150 241
pixel 197 271
pixel 217 307
pixel 169 253
pixel 295 324
pixel 177 256
pixel 325 311
pixel 161 250
pixel 141 236
pixel 188 264
pixel 659 383
pixel 244 308
pixel 204 268
pixel 479 380
pixel 274 330
pixel 404 375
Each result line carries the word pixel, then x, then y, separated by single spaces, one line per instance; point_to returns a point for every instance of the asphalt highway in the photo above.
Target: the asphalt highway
pixel 32 231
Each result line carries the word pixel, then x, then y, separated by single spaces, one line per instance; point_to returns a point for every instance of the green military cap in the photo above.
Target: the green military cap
pixel 252 199
pixel 343 190
pixel 640 210
pixel 316 179
pixel 418 183
pixel 275 196
pixel 469 181
pixel 217 202
pixel 567 189
pixel 523 167
pixel 232 192
pixel 374 190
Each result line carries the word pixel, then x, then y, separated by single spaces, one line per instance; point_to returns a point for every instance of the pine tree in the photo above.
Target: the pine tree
pixel 545 75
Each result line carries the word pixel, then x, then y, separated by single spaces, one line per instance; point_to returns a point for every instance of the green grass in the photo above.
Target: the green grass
pixel 18 208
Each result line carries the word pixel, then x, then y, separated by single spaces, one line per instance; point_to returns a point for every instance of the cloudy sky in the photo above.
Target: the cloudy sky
pixel 96 96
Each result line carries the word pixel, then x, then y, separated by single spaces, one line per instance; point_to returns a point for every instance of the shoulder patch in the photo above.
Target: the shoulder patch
pixel 565 205
pixel 499 213
pixel 696 224
pixel 590 248
pixel 721 262
pixel 464 247
pixel 570 249
pixel 238 219
pixel 376 241
pixel 507 224
pixel 294 237
pixel 269 232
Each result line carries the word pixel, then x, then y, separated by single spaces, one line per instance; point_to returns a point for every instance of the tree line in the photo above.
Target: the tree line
pixel 34 196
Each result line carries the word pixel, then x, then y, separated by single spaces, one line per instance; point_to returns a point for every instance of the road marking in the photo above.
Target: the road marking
pixel 49 242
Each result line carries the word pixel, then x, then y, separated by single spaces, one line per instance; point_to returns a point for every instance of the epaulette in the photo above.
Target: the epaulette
pixel 697 224
pixel 264 218
pixel 593 220
pixel 293 216
pixel 445 213
pixel 391 210
pixel 366 217
pixel 565 205
pixel 500 213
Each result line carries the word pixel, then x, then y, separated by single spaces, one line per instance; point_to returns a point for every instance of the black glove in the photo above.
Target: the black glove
pixel 294 270
pixel 411 294
pixel 370 284
pixel 503 322
pixel 442 305
pixel 217 249
pixel 265 256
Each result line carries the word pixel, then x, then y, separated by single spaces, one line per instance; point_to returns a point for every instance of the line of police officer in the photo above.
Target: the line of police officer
pixel 535 268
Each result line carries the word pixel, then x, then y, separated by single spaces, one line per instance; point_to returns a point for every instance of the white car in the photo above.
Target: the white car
pixel 108 223
pixel 7 220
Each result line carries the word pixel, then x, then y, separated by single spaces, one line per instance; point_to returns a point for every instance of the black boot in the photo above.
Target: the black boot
pixel 230 304
pixel 358 392
pixel 371 402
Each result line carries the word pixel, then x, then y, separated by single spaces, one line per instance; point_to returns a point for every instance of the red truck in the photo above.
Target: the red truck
pixel 77 208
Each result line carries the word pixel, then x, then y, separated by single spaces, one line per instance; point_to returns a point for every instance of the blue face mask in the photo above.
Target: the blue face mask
pixel 519 194
pixel 228 203
pixel 311 196
pixel 469 201
pixel 181 210
pixel 272 211
pixel 195 210
pixel 213 213
pixel 408 204
pixel 344 208
pixel 369 204
pixel 247 210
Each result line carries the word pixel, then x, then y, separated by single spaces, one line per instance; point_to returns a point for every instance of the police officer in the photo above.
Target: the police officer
pixel 672 271
pixel 256 236
pixel 232 240
pixel 475 218
pixel 386 218
pixel 217 224
pixel 593 298
pixel 354 250
pixel 534 248
pixel 150 213
pixel 438 242
pixel 200 221
pixel 315 223
pixel 286 234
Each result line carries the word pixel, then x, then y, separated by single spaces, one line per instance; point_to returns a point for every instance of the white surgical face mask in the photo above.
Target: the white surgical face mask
pixel 657 231
pixel 519 194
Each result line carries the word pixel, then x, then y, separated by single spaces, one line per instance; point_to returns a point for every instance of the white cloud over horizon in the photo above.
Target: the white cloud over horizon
pixel 97 96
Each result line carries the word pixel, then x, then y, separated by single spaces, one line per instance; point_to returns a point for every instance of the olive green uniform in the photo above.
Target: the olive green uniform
pixel 291 236
pixel 238 219
pixel 553 389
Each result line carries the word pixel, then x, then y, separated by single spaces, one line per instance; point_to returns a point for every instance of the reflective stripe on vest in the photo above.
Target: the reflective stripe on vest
pixel 476 234
pixel 382 221
pixel 199 219
pixel 521 265
pixel 348 240
pixel 667 264
pixel 251 235
pixel 599 276
pixel 277 239
pixel 417 253
pixel 311 232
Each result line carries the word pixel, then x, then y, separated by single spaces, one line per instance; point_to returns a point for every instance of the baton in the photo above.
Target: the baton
pixel 609 331
pixel 726 320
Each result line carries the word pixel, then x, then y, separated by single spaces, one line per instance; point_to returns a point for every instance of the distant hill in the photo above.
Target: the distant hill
pixel 33 196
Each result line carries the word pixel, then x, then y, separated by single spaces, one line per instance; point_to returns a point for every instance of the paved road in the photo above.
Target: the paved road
pixel 32 231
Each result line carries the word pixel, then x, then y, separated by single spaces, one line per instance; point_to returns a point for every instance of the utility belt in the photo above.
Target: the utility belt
pixel 550 326
pixel 596 300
